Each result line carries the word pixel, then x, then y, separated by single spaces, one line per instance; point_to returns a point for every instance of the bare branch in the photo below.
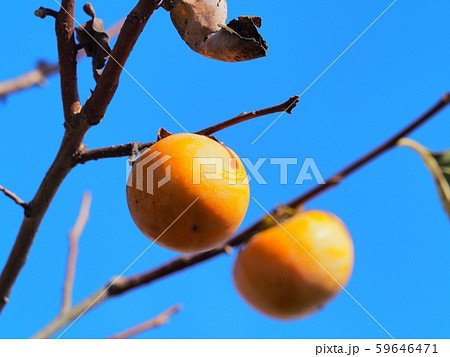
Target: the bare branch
pixel 130 148
pixel 62 320
pixel 33 78
pixel 111 152
pixel 95 108
pixel 124 285
pixel 13 196
pixel 44 70
pixel 74 237
pixel 162 319
pixel 283 107
pixel 67 53
pixel 381 149
pixel 76 127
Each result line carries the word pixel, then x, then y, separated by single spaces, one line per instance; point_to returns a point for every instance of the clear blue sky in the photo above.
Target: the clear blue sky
pixel 401 233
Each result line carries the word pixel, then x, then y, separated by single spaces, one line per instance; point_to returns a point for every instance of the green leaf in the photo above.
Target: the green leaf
pixel 439 166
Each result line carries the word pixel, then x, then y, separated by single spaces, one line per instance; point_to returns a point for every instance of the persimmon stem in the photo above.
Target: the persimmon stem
pixel 126 284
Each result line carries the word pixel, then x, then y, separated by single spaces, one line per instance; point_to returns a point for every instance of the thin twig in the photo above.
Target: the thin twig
pixel 76 128
pixel 43 12
pixel 381 149
pixel 162 319
pixel 63 319
pixel 36 77
pixel 74 237
pixel 13 196
pixel 283 107
pixel 128 149
pixel 123 150
pixel 125 285
pixel 39 75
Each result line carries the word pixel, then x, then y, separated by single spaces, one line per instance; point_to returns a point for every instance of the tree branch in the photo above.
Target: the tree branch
pixel 14 197
pixel 38 206
pixel 67 53
pixel 95 107
pixel 76 311
pixel 76 128
pixel 44 70
pixel 283 107
pixel 162 319
pixel 381 149
pixel 128 149
pixel 74 237
pixel 124 285
pixel 33 78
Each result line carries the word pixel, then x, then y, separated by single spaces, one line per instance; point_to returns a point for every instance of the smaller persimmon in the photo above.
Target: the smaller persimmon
pixel 291 271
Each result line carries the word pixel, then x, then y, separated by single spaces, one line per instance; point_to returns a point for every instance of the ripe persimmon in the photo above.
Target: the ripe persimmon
pixel 292 272
pixel 188 168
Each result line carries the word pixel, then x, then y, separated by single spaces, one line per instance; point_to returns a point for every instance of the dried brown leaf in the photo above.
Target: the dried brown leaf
pixel 201 24
pixel 93 39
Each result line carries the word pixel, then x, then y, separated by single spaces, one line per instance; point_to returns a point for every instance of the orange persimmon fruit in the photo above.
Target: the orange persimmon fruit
pixel 193 193
pixel 292 272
